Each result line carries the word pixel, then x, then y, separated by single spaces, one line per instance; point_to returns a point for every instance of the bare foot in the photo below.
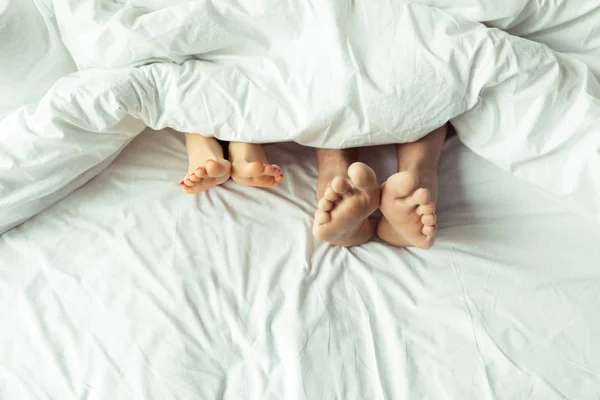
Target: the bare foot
pixel 213 173
pixel 256 174
pixel 408 212
pixel 342 217
pixel 250 166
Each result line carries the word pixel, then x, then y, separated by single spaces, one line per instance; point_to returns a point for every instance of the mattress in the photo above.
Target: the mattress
pixel 130 289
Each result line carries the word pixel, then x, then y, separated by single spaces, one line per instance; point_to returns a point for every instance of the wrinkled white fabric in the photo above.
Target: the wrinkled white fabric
pixel 32 55
pixel 326 74
pixel 565 26
pixel 129 290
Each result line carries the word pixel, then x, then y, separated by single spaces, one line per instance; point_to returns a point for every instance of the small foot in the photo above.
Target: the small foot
pixel 212 173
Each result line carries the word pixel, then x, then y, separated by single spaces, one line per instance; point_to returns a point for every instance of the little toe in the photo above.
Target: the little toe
pixel 187 189
pixel 322 217
pixel 428 220
pixel 427 243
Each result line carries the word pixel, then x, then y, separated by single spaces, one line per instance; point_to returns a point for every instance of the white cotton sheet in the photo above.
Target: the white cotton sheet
pixel 130 289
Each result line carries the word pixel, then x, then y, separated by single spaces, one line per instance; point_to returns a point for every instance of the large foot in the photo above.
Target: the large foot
pixel 212 173
pixel 408 213
pixel 250 166
pixel 342 217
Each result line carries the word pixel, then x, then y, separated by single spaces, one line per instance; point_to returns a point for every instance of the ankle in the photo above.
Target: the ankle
pixel 246 152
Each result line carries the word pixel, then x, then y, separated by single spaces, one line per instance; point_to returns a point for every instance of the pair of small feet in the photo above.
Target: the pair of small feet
pixel 408 211
pixel 205 173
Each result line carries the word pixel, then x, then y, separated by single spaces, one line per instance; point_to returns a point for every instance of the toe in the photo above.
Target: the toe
pixel 362 176
pixel 187 189
pixel 420 196
pixel 322 217
pixel 340 185
pixel 331 195
pixel 200 173
pixel 254 169
pixel 429 231
pixel 276 170
pixel 193 178
pixel 215 169
pixel 400 185
pixel 269 170
pixel 272 170
pixel 427 243
pixel 428 220
pixel 425 209
pixel 325 204
pixel 188 182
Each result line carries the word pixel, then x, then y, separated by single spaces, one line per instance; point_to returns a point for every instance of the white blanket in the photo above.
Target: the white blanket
pixel 327 74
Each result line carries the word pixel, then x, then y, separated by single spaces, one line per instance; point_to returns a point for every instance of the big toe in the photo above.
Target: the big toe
pixel 216 169
pixel 255 169
pixel 401 185
pixel 362 176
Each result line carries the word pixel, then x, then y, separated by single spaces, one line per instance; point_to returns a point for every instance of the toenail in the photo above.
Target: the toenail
pixel 181 183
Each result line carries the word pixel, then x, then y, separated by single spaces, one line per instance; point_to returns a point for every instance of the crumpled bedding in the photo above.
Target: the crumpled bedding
pixel 129 290
pixel 326 74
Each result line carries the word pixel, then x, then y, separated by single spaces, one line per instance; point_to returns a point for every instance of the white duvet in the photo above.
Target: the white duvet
pixel 322 73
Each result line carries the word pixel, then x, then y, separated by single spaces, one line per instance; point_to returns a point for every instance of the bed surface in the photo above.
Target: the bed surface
pixel 129 289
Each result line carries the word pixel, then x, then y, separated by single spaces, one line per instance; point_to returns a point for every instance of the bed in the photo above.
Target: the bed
pixel 129 289
pixel 116 285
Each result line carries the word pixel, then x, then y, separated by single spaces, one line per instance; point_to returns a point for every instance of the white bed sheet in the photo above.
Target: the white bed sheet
pixel 129 289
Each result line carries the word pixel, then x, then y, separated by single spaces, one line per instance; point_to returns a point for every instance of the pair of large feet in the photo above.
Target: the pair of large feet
pixel 249 168
pixel 408 211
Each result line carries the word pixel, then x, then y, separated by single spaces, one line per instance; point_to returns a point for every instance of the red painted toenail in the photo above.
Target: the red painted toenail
pixel 181 183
